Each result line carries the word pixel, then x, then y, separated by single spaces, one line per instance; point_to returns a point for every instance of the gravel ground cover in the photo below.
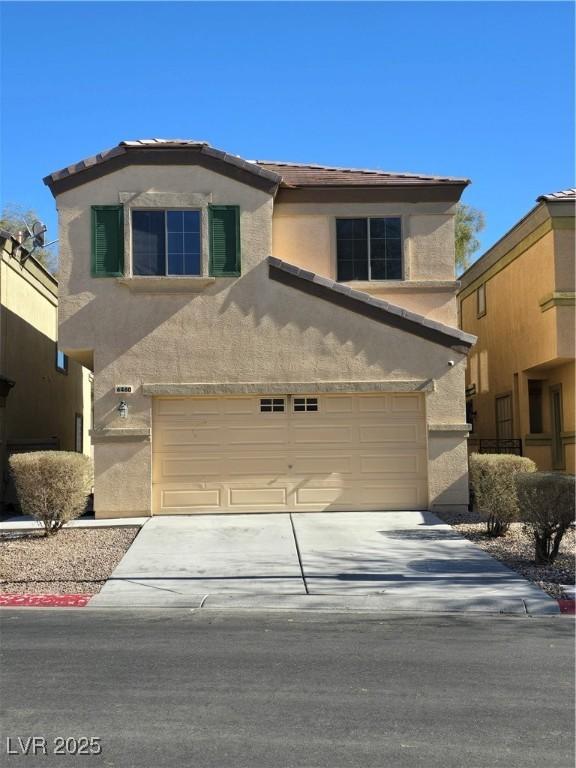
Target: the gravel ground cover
pixel 516 550
pixel 74 561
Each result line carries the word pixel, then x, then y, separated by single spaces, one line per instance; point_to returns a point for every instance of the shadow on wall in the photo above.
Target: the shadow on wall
pixel 257 310
pixel 43 403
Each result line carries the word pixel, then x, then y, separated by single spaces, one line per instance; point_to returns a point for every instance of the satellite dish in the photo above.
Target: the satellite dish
pixel 38 230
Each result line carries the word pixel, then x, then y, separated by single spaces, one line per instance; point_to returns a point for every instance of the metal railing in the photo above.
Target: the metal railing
pixel 500 445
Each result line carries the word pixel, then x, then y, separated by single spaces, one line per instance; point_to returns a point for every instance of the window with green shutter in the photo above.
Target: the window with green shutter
pixel 107 240
pixel 224 225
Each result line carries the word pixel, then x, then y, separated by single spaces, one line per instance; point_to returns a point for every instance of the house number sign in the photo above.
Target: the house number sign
pixel 124 389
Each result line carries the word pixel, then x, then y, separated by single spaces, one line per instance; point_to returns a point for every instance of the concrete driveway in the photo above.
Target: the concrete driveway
pixel 363 560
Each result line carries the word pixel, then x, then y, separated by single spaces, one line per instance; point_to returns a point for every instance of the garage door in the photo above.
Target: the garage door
pixel 278 453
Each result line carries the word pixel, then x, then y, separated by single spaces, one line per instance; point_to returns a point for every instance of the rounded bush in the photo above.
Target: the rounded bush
pixel 547 505
pixel 492 479
pixel 52 486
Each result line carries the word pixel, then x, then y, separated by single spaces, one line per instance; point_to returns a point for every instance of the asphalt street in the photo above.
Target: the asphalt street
pixel 182 689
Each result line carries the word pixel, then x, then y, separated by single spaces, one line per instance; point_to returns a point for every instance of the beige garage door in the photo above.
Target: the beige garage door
pixel 277 453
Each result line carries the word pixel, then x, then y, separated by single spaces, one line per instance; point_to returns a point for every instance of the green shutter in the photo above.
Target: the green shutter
pixel 224 223
pixel 107 240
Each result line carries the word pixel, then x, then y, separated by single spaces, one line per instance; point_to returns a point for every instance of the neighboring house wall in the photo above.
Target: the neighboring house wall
pixel 233 336
pixel 42 406
pixel 525 347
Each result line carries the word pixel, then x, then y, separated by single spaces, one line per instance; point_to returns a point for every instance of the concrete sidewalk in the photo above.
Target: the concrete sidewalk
pixel 405 561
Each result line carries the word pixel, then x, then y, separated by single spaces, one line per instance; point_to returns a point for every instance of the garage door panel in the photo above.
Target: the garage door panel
pixel 400 464
pixel 323 465
pixel 175 501
pixel 406 403
pixel 171 437
pixel 391 433
pixel 354 452
pixel 378 404
pixel 255 466
pixel 258 497
pixel 179 407
pixel 258 435
pixel 378 497
pixel 173 467
pixel 337 404
pixel 317 433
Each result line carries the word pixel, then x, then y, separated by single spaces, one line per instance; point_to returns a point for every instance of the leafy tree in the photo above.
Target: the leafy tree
pixel 469 221
pixel 13 219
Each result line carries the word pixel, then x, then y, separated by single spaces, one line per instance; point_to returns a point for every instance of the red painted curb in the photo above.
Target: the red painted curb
pixel 567 606
pixel 9 599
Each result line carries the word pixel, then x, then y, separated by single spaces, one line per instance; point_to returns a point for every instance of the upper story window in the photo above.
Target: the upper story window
pixel 166 242
pixel 61 361
pixel 369 249
pixel 481 300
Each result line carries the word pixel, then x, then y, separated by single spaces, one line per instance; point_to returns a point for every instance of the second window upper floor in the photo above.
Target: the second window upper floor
pixel 369 248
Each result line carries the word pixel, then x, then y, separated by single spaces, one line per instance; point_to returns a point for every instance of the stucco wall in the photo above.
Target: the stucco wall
pixel 235 330
pixel 517 338
pixel 305 234
pixel 44 402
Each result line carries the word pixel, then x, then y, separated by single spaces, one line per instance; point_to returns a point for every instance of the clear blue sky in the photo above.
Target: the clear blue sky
pixel 478 89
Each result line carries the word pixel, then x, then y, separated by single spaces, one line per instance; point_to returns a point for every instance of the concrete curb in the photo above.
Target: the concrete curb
pixel 359 604
pixel 320 603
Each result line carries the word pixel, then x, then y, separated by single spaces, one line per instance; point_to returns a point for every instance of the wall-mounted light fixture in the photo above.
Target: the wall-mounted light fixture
pixel 123 409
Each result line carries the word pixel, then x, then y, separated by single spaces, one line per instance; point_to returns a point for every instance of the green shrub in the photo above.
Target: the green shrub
pixel 492 480
pixel 547 506
pixel 52 486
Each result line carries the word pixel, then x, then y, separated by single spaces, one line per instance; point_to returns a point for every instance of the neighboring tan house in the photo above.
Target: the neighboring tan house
pixel 47 403
pixel 518 298
pixel 264 336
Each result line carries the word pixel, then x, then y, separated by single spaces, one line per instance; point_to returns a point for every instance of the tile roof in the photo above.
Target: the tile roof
pixel 368 305
pixel 288 175
pixel 124 148
pixel 565 194
pixel 301 174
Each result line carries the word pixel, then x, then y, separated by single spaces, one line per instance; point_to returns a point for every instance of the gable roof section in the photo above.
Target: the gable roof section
pixel 364 304
pixel 298 181
pixel 307 183
pixel 162 152
pixel 306 175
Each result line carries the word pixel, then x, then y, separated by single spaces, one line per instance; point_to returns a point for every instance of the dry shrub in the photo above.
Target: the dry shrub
pixel 492 478
pixel 52 486
pixel 547 506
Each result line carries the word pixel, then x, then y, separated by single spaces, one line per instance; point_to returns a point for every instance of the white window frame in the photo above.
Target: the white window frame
pixel 165 210
pixel 481 303
pixel 306 403
pixel 275 400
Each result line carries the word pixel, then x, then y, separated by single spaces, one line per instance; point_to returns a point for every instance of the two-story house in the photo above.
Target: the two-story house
pixel 518 298
pixel 264 336
pixel 47 399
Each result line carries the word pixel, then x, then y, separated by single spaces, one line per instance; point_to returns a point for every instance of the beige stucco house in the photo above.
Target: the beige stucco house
pixel 45 398
pixel 264 336
pixel 518 298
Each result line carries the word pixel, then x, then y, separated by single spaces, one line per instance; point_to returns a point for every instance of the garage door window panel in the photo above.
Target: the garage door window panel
pixel 305 404
pixel 272 405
